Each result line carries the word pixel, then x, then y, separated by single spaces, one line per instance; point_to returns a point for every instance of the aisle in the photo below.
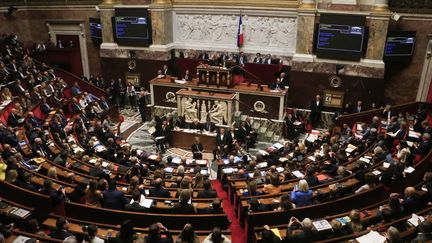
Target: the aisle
pixel 238 234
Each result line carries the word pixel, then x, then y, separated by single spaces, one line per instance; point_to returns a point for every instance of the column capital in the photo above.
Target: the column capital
pixel 110 2
pixel 308 4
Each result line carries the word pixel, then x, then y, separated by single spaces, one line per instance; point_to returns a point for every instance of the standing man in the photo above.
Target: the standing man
pixel 142 105
pixel 222 143
pixel 197 149
pixel 316 108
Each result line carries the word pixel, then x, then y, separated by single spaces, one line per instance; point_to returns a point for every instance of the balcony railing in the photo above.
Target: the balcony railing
pixel 417 6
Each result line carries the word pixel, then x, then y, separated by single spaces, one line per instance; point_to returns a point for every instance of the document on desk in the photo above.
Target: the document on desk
pixel 146 203
pixel 298 174
pixel 371 237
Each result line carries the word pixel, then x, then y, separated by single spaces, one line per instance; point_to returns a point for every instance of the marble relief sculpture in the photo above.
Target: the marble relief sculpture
pixel 203 113
pixel 273 32
pixel 190 110
pixel 218 113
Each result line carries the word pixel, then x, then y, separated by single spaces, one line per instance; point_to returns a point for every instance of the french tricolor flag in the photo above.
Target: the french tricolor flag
pixel 240 37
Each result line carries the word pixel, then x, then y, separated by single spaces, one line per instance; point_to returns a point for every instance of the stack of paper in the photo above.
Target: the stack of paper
pixel 228 170
pixel 20 212
pixel 146 203
pixel 298 174
pixel 365 160
pixel 344 220
pixel 415 219
pixel 376 172
pixel 311 158
pixel 153 157
pixel 21 239
pixel 201 161
pixel 176 160
pixel 283 159
pixel 169 169
pixel 262 165
pixel 279 169
pixel 277 146
pixel 263 152
pixel 371 237
pixel 409 170
pixel 386 165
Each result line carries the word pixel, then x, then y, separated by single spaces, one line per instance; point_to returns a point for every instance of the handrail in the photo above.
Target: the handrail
pixel 74 76
pixel 370 113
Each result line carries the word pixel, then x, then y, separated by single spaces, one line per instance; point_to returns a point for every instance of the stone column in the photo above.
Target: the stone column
pixel 426 76
pixel 161 18
pixel 106 13
pixel 378 25
pixel 381 6
pixel 305 31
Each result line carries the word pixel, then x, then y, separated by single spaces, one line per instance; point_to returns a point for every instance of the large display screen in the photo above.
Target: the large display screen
pixel 341 37
pixel 400 44
pixel 95 30
pixel 132 27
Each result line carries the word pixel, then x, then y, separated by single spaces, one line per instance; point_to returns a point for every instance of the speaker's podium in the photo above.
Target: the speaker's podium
pixel 214 75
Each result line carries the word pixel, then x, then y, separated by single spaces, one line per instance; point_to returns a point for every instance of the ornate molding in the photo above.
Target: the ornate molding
pixel 248 3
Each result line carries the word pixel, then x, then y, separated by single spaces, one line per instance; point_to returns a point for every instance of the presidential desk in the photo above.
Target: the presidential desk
pixel 184 138
pixel 253 100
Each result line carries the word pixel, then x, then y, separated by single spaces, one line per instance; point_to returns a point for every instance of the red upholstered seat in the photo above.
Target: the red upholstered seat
pixel 67 93
pixel 38 113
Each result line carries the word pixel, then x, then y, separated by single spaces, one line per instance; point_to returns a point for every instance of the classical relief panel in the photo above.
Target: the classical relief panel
pixel 220 31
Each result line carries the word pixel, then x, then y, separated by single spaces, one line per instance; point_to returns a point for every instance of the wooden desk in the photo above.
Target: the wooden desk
pixel 162 88
pixel 184 140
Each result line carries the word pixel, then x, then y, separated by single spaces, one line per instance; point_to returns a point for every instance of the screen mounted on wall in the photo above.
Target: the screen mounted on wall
pixel 341 37
pixel 132 27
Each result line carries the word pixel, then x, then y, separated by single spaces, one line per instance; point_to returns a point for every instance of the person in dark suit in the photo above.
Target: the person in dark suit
pixel 197 149
pixel 31 119
pixel 425 232
pixel 241 59
pixel 195 125
pixel 208 192
pixel 183 206
pixel 277 85
pixel 13 118
pixel 159 190
pixel 222 142
pixel 57 196
pixel 113 198
pixel 158 233
pixel 142 105
pixel 209 126
pixel 163 136
pixel 358 107
pixel 268 59
pixel 214 208
pixel 187 76
pixel 425 145
pixel 61 230
pixel 135 205
pixel 166 71
pixel 204 56
pixel 40 149
pixel 307 234
pixel 103 103
pixel 316 108
pixel 257 58
pixel 284 79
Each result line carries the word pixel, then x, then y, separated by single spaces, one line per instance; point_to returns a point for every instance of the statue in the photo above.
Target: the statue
pixel 218 113
pixel 203 112
pixel 190 110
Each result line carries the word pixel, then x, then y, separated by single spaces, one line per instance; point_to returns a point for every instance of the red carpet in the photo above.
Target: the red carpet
pixel 238 234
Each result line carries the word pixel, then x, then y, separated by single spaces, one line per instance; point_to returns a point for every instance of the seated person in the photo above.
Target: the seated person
pixel 256 206
pixel 184 205
pixel 274 186
pixel 187 76
pixel 158 233
pixel 307 233
pixel 196 125
pixel 302 195
pixel 214 208
pixel 61 230
pixel 355 225
pixel 209 126
pixel 216 236
pixel 135 205
pixel 268 236
pixel 113 198
pixel 159 190
pixel 208 192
